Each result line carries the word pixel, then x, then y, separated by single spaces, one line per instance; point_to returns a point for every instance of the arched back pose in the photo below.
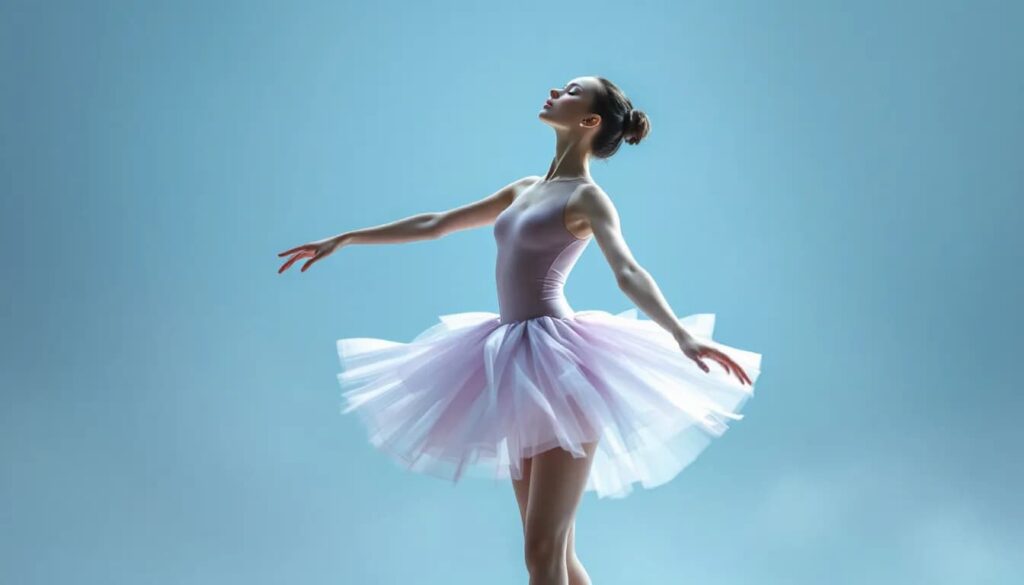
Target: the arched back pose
pixel 561 401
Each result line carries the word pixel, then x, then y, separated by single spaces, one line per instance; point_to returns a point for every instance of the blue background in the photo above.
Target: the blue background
pixel 839 182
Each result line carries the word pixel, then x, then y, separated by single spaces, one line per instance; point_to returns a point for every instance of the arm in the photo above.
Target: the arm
pixel 638 284
pixel 433 225
pixel 482 212
pixel 408 229
pixel 422 226
pixel 633 279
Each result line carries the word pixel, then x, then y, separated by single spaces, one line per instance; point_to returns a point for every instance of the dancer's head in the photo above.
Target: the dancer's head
pixel 597 112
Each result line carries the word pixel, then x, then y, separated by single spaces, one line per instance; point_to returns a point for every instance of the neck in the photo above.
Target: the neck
pixel 571 159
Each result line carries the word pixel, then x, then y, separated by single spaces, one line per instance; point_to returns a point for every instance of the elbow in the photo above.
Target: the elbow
pixel 627 276
pixel 433 227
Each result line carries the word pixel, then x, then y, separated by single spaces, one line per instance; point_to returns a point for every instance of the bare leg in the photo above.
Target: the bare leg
pixel 577 573
pixel 522 489
pixel 556 485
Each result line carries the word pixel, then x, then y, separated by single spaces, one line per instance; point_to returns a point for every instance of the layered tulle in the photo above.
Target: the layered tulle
pixel 471 396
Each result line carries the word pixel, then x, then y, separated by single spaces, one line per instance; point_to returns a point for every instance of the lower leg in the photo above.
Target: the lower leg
pixel 546 561
pixel 577 573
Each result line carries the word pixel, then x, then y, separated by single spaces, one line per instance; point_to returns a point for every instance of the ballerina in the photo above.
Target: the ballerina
pixel 560 401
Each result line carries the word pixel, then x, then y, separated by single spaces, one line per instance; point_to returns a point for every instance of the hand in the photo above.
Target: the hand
pixel 313 250
pixel 696 350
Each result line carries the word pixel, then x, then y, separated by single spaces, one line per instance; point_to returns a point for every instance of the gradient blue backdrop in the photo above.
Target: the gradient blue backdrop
pixel 839 182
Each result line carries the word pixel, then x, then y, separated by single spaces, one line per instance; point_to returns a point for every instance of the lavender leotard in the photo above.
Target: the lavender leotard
pixel 536 252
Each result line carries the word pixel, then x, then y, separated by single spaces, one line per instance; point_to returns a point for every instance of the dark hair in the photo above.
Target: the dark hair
pixel 619 120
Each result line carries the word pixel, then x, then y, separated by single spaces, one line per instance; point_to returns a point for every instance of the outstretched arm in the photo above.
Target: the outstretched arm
pixel 637 283
pixel 632 278
pixel 482 212
pixel 422 226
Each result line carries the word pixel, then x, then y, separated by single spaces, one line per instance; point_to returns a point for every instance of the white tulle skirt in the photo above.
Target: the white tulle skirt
pixel 471 396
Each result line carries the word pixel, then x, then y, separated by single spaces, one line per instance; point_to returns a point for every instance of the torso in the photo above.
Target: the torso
pixel 574 221
pixel 537 251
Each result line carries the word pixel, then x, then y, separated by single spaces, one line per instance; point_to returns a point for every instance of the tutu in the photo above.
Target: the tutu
pixel 478 392
pixel 472 396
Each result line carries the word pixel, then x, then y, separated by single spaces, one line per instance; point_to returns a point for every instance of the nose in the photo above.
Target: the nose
pixel 554 93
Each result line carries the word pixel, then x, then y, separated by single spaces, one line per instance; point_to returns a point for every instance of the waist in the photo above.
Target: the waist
pixel 517 307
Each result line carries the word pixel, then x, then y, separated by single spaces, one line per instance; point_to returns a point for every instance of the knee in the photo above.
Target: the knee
pixel 545 550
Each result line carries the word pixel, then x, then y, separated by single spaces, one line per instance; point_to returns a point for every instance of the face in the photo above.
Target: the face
pixel 568 107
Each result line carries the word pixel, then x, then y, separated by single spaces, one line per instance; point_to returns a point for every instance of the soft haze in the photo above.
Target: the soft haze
pixel 840 183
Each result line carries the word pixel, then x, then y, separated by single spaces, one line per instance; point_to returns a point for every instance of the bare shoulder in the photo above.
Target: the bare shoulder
pixel 590 211
pixel 594 201
pixel 525 183
pixel 592 191
pixel 482 211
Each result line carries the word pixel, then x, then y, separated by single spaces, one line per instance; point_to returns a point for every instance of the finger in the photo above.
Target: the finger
pixel 742 375
pixel 290 262
pixel 702 365
pixel 744 379
pixel 286 265
pixel 311 261
pixel 738 371
pixel 725 365
pixel 720 358
pixel 296 248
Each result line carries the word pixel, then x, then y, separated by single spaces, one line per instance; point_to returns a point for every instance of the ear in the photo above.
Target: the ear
pixel 591 121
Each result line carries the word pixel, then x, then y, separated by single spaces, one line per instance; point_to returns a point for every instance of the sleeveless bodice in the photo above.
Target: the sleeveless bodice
pixel 536 252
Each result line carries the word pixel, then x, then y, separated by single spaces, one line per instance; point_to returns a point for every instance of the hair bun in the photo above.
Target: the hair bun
pixel 622 122
pixel 635 127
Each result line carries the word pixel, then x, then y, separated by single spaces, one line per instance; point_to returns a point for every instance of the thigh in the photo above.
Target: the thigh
pixel 556 487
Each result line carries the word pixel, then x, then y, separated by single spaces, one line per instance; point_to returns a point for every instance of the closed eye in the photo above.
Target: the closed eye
pixel 571 92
